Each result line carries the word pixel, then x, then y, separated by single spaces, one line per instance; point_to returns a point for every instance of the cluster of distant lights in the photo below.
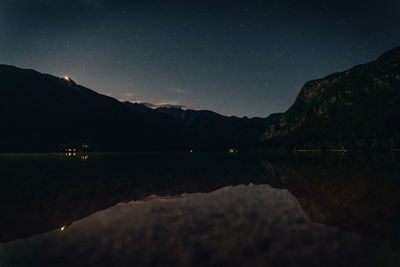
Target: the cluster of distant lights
pixel 73 152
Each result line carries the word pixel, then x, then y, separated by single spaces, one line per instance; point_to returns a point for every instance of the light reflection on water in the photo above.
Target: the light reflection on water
pixel 233 226
pixel 163 223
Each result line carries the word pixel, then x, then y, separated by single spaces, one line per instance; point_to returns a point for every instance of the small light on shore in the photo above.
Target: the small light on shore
pixel 63 228
pixel 67 78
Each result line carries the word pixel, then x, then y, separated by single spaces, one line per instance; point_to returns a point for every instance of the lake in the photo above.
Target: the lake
pixel 200 209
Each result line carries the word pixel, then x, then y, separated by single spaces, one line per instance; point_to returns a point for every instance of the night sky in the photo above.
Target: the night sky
pixel 244 58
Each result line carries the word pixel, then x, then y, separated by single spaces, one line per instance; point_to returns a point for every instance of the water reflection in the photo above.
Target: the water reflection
pixel 233 226
pixel 44 192
pixel 356 193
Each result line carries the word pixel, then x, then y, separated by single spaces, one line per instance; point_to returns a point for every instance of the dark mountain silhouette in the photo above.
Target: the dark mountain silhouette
pixel 40 112
pixel 357 108
pixel 204 127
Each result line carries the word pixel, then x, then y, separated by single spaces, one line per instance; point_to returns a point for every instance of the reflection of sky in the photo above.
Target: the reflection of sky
pixel 253 225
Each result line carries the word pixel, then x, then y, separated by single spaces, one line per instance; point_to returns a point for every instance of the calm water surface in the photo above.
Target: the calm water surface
pixel 195 209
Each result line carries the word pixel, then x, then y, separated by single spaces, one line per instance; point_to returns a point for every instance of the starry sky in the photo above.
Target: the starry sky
pixel 243 58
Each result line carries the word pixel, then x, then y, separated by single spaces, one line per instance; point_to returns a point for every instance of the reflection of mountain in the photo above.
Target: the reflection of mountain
pixel 358 108
pixel 40 193
pixel 40 112
pixel 352 192
pixel 358 193
pixel 233 226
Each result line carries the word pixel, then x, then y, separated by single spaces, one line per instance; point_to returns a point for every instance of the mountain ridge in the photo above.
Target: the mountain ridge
pixel 356 108
pixel 41 112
